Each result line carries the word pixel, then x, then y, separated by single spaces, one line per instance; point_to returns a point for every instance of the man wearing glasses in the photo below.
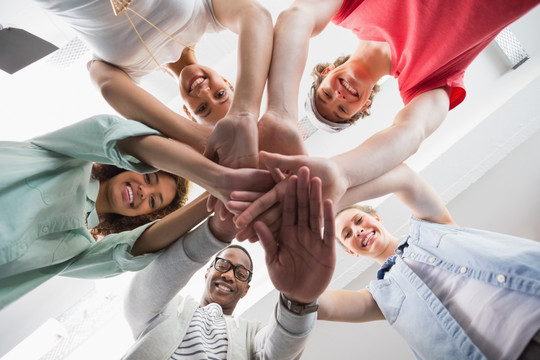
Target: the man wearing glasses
pixel 300 263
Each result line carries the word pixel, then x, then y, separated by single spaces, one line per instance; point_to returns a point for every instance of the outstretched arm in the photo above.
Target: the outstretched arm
pixel 135 103
pixel 300 262
pixel 376 156
pixel 348 306
pixel 177 158
pixel 395 144
pixel 410 188
pixel 234 141
pixel 153 288
pixel 163 233
pixel 292 32
pixel 406 184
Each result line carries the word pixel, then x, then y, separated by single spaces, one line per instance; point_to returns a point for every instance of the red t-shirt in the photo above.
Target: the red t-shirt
pixel 432 42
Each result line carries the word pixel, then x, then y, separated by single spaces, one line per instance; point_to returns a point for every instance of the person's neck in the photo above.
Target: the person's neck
pixel 389 251
pixel 375 58
pixel 186 58
pixel 101 200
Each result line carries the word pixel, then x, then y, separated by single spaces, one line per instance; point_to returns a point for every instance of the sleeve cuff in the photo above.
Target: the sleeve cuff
pixel 293 323
pixel 200 244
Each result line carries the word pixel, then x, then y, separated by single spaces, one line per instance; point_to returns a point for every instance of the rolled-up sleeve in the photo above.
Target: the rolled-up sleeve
pixel 95 138
pixel 110 256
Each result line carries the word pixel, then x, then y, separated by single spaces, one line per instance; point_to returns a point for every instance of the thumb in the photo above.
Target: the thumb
pixel 282 162
pixel 210 152
pixel 211 203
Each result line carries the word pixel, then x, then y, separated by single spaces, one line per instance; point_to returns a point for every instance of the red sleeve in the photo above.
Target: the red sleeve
pixel 346 9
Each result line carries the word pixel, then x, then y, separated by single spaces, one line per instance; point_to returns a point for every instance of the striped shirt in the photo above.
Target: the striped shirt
pixel 206 337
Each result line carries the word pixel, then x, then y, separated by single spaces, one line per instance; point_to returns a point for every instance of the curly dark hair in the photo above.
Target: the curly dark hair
pixel 115 223
pixel 318 78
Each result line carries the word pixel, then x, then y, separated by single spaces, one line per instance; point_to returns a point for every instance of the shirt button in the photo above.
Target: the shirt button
pixel 45 229
pixel 463 270
pixel 501 278
pixel 432 259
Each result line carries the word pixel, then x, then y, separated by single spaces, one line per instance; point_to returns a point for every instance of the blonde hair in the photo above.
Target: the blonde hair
pixel 318 77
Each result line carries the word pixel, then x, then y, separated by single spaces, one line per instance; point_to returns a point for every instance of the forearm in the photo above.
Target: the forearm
pixel 393 145
pixel 285 336
pixel 253 24
pixel 348 306
pixel 377 155
pixel 172 227
pixel 292 33
pixel 395 180
pixel 174 157
pixel 154 287
pixel 135 103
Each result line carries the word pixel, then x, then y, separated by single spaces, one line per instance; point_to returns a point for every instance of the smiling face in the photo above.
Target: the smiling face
pixel 363 234
pixel 133 194
pixel 343 92
pixel 224 288
pixel 206 93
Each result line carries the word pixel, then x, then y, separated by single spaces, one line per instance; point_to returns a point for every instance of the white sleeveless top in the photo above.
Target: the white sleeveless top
pixel 113 39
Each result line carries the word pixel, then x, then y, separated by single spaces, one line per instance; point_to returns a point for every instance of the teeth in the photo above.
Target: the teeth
pixel 130 194
pixel 366 240
pixel 195 83
pixel 349 87
pixel 224 288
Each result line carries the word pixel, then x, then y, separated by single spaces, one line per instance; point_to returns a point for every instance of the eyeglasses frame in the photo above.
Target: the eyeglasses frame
pixel 234 267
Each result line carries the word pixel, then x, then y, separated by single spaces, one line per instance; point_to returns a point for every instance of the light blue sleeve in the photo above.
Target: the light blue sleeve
pixel 110 256
pixel 94 139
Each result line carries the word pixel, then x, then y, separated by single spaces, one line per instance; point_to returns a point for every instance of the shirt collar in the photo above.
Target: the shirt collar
pixel 92 219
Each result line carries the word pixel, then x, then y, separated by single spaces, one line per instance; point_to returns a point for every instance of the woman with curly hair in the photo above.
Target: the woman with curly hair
pixel 53 206
pixel 110 223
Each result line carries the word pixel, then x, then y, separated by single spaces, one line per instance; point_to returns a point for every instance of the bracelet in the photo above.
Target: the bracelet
pixel 298 308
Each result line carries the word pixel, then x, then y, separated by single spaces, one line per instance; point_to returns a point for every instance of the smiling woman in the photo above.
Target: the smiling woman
pixel 440 277
pixel 127 199
pixel 49 201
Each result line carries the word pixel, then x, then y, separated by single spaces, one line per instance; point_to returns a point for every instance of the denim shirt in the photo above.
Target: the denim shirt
pixel 417 314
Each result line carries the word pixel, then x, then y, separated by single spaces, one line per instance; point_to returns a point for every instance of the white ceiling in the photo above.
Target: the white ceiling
pixel 484 160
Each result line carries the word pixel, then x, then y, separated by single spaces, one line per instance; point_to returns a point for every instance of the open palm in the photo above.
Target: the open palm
pixel 300 260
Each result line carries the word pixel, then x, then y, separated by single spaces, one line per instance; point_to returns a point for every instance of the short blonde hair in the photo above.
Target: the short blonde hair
pixel 318 77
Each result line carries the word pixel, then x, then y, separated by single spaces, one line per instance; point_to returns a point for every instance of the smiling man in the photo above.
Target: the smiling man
pixel 168 325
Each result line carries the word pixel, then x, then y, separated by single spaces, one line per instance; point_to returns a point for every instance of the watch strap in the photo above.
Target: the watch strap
pixel 298 308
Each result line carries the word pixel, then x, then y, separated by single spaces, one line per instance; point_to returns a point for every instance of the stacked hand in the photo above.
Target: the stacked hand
pixel 300 260
pixel 256 206
pixel 280 135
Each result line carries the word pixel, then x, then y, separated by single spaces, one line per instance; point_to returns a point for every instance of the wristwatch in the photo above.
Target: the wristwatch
pixel 298 308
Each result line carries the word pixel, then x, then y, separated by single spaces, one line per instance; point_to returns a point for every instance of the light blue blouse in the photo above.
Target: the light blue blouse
pixel 410 306
pixel 47 202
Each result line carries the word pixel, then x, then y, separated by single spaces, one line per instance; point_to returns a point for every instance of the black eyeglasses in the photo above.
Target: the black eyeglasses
pixel 240 272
